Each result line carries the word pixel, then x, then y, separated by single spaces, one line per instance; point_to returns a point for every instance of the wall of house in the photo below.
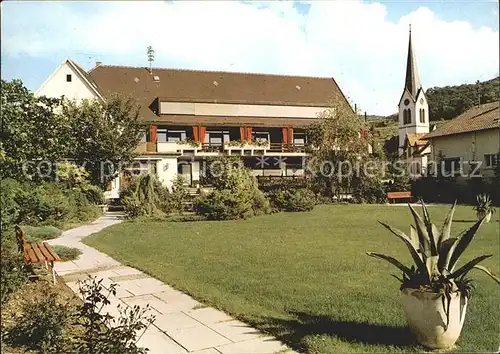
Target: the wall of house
pixel 166 169
pixel 114 192
pixel 237 110
pixel 468 146
pixel 56 85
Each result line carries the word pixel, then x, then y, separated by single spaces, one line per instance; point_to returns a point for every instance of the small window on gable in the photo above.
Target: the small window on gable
pixel 68 78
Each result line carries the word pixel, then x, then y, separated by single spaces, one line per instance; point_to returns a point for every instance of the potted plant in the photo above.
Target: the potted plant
pixel 434 292
pixel 236 143
pixel 484 207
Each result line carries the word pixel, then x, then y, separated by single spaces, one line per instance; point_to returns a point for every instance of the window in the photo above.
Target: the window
pixel 216 137
pixel 491 160
pixel 452 164
pixel 422 115
pixel 144 138
pixel 261 136
pixel 175 135
pixel 68 78
pixel 299 138
pixel 164 135
pixel 161 135
pixel 407 116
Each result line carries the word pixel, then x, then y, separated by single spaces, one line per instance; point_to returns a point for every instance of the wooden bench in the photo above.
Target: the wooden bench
pixel 37 252
pixel 398 195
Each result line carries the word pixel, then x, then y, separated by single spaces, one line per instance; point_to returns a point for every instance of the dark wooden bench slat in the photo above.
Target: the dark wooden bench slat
pixel 32 256
pixel 46 254
pixel 38 253
pixel 51 252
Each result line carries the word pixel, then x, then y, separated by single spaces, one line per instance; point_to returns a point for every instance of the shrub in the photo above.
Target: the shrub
pixel 93 194
pixel 294 200
pixel 101 332
pixel 39 203
pixel 44 204
pixel 8 205
pixel 235 195
pixel 131 207
pixel 38 318
pixel 223 205
pixel 369 190
pixel 41 233
pixel 179 196
pixel 82 209
pixel 145 196
pixel 14 271
pixel 67 253
pixel 261 204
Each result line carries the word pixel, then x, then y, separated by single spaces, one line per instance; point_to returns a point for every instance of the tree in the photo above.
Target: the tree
pixel 450 101
pixel 340 139
pixel 31 130
pixel 107 134
pixel 39 132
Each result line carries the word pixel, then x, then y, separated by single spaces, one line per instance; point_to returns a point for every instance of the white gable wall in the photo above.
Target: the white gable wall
pixel 57 86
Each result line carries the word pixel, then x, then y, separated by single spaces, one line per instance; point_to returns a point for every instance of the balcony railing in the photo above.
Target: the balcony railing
pixel 172 147
pixel 146 147
pixel 280 147
pixel 212 147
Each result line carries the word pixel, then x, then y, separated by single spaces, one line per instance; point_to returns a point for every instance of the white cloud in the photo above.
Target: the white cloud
pixel 348 40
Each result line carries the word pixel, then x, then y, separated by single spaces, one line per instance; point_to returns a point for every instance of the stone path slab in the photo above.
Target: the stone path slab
pixel 182 325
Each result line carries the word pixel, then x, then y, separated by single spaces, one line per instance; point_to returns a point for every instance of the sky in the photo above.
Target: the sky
pixel 362 44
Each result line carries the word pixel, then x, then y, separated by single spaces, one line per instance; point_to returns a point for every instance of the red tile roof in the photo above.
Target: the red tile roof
pixel 213 87
pixel 485 116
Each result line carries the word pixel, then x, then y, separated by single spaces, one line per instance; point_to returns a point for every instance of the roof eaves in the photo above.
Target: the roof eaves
pixel 83 74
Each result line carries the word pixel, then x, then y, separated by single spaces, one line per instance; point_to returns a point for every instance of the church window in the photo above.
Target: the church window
pixel 406 116
pixel 422 115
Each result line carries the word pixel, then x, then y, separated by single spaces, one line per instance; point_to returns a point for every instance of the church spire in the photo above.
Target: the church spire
pixel 412 82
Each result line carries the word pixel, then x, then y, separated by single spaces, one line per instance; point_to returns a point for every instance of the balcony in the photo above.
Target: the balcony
pixel 239 147
pixel 232 148
pixel 182 147
pixel 287 148
pixel 260 148
pixel 146 147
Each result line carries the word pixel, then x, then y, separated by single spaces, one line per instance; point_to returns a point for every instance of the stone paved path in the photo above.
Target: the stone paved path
pixel 182 324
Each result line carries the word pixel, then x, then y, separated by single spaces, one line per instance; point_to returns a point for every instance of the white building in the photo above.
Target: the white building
pixel 470 143
pixel 193 115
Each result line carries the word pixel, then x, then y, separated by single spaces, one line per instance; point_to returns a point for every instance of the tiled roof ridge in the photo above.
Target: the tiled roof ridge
pixel 211 71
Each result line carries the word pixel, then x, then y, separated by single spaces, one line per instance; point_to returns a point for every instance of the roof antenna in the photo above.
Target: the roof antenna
pixel 151 58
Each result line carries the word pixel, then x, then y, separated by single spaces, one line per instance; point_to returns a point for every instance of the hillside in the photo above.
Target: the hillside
pixel 450 101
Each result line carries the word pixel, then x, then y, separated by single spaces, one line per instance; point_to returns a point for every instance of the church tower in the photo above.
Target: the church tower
pixel 413 107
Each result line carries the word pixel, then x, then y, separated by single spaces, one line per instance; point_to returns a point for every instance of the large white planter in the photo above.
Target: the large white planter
pixel 481 214
pixel 427 318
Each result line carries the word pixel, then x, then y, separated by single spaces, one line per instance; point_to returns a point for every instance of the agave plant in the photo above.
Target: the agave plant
pixel 436 254
pixel 484 204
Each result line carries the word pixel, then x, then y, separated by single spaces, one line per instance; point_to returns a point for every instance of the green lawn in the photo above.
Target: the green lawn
pixel 304 277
